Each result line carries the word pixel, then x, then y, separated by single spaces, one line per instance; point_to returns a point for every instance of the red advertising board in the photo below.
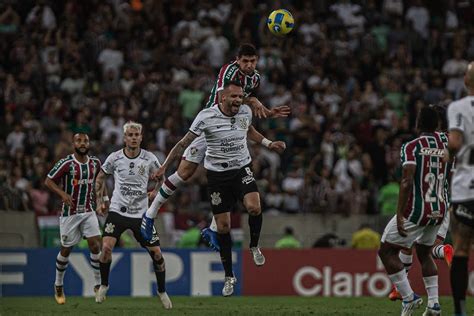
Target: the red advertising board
pixel 329 272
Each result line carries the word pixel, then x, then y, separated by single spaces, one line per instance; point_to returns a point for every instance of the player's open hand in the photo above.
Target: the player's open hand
pixel 67 199
pixel 280 111
pixel 277 146
pixel 260 110
pixel 401 227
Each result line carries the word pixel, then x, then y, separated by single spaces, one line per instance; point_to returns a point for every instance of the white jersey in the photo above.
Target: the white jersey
pixel 226 137
pixel 131 181
pixel 461 118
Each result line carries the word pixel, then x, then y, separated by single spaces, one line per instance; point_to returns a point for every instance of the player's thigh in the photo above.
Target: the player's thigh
pixel 135 224
pixel 390 234
pixel 195 152
pixel 462 236
pixel 115 224
pixel 221 196
pixel 69 228
pixel 90 225
pixel 428 235
pixel 443 229
pixel 248 190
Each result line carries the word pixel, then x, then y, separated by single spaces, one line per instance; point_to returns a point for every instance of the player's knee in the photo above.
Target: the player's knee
pixel 106 251
pixel 159 265
pixel 95 248
pixel 254 210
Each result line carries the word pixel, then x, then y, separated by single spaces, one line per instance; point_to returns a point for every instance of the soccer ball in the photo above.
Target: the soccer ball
pixel 280 22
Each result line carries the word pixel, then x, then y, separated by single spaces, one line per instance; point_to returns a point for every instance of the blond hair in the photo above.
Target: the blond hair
pixel 134 125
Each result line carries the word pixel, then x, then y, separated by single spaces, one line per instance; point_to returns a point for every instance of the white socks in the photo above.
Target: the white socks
pixel 213 226
pixel 167 189
pixel 400 280
pixel 431 286
pixel 61 265
pixel 95 264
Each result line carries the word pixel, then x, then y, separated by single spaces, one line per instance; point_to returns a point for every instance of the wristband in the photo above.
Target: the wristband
pixel 105 199
pixel 266 142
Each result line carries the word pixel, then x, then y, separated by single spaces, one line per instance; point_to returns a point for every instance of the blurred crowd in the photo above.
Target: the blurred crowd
pixel 353 73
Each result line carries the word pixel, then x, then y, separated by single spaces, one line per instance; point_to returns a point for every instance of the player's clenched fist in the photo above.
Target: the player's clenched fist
pixel 277 146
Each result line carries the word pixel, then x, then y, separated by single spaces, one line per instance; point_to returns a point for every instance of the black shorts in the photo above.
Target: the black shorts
pixel 225 188
pixel 116 224
pixel 464 212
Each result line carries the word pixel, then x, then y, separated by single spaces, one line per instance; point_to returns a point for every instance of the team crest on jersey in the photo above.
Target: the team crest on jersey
pixel 243 123
pixel 141 170
pixel 216 198
pixel 109 228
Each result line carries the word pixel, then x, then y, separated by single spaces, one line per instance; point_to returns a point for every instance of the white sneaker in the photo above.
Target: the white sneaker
pixel 101 294
pixel 258 257
pixel 410 306
pixel 229 283
pixel 165 300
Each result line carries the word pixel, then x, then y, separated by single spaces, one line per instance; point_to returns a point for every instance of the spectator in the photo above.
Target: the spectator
pixel 288 240
pixel 365 238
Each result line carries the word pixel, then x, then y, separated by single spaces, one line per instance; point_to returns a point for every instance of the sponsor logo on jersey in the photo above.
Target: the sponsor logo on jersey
pixel 216 198
pixel 64 238
pixel 425 151
pixel 193 151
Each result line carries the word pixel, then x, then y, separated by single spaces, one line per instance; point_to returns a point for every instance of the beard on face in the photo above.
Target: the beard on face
pixel 81 151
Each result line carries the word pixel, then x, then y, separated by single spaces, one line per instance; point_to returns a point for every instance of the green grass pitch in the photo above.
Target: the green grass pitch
pixel 277 305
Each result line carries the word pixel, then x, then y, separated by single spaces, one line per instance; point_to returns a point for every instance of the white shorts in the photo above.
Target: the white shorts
pixel 443 229
pixel 422 235
pixel 74 227
pixel 196 151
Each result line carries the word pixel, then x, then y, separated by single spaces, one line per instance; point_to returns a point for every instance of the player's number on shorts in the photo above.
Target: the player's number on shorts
pixel 434 184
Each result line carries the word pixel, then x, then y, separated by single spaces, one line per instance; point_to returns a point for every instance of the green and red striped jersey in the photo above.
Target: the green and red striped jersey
pixel 230 72
pixel 77 180
pixel 429 198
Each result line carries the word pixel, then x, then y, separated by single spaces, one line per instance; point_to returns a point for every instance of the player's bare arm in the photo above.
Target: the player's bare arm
pixel 406 185
pixel 261 111
pixel 455 142
pixel 175 153
pixel 255 136
pixel 101 192
pixel 66 198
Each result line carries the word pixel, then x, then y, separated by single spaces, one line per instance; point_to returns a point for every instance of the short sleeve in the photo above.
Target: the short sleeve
pixel 59 169
pixel 198 125
pixel 108 167
pixel 407 154
pixel 155 164
pixel 455 118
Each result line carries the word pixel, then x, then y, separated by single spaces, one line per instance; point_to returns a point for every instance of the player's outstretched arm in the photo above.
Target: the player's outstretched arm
pixel 175 153
pixel 260 111
pixel 406 185
pixel 257 137
pixel 50 184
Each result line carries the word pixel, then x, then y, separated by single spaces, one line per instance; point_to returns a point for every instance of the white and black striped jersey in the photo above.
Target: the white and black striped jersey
pixel 461 118
pixel 226 137
pixel 131 177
